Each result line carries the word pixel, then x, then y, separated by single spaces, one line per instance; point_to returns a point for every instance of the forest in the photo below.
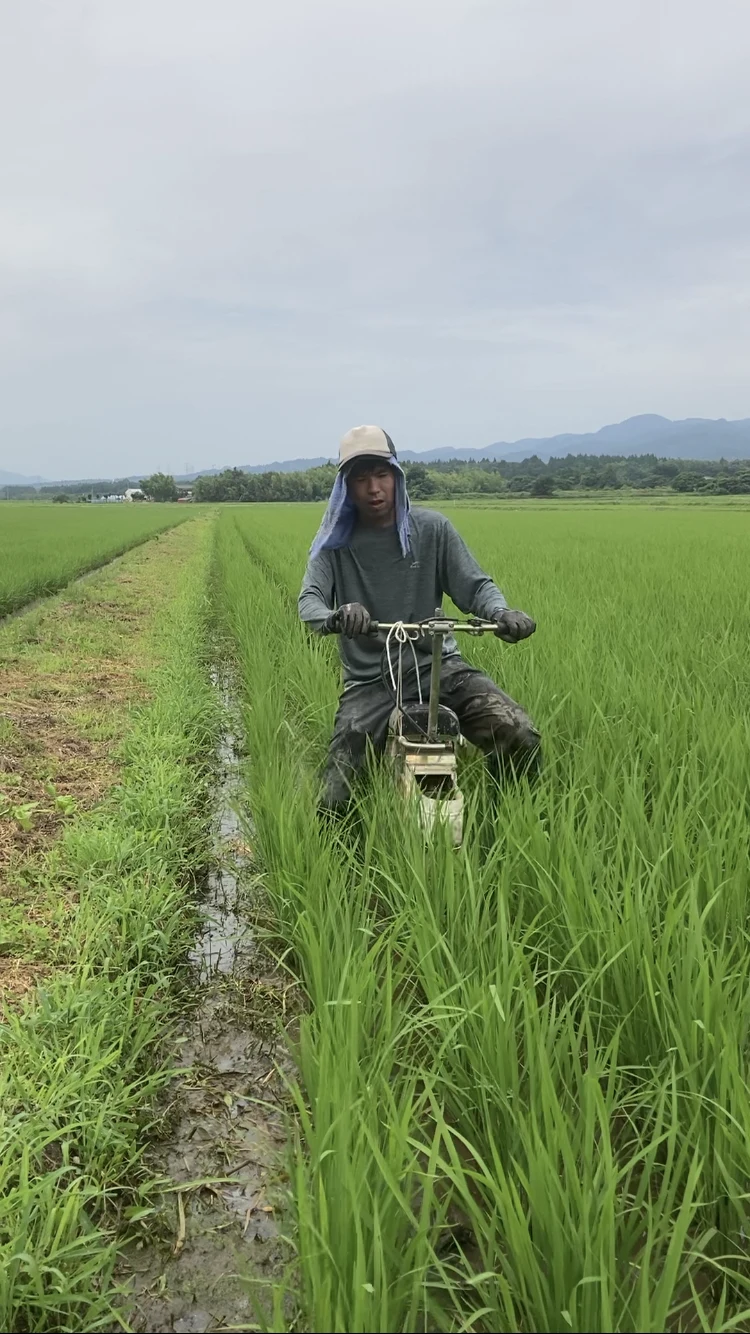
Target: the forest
pixel 532 477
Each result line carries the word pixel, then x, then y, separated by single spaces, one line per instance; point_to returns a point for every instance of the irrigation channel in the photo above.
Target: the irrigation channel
pixel 218 1247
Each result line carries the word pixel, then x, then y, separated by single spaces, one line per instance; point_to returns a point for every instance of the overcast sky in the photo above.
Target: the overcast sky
pixel 230 229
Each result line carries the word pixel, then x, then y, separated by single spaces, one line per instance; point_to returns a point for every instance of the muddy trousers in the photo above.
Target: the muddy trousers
pixel 489 719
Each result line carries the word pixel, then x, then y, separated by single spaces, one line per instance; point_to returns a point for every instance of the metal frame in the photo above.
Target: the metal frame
pixel 422 757
pixel 437 627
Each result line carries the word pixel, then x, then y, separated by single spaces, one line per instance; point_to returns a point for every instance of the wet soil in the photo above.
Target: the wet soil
pixel 215 1248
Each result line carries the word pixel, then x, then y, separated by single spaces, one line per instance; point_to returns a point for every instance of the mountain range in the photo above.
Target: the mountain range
pixel 693 438
pixel 15 479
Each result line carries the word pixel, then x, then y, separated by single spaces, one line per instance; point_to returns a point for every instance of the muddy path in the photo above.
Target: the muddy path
pixel 214 1251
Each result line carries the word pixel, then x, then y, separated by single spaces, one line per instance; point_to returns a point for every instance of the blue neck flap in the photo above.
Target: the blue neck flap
pixel 340 517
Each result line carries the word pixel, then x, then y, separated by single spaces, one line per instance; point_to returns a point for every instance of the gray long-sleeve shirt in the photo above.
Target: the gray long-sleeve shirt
pixel 392 587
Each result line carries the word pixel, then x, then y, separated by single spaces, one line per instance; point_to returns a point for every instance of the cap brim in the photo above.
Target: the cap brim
pixel 348 464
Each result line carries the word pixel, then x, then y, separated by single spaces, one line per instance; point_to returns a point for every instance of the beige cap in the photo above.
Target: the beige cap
pixel 365 442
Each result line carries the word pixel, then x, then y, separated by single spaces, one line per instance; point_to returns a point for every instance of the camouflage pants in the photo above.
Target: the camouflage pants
pixel 489 719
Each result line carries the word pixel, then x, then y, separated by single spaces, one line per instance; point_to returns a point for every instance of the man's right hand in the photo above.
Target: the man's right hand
pixel 351 619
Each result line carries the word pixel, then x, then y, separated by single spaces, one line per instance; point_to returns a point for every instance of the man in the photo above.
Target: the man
pixel 376 559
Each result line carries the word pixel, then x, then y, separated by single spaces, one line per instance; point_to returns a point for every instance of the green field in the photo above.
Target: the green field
pixel 522 1099
pixel 43 547
pixel 523 1092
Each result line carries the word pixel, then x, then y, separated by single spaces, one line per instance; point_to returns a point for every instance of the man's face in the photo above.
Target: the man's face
pixel 372 487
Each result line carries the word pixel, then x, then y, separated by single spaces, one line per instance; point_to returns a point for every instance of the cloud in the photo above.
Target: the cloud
pixel 229 231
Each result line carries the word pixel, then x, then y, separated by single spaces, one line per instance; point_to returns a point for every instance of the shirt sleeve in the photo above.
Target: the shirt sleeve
pixel 317 594
pixel 464 580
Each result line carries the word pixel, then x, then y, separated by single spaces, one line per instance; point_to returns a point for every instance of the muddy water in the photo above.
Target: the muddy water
pixel 211 1246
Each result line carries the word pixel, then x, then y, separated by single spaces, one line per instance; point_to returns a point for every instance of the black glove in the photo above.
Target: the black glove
pixel 350 620
pixel 513 625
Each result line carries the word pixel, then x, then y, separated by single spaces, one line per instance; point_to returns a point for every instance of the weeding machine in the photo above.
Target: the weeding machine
pixel 423 734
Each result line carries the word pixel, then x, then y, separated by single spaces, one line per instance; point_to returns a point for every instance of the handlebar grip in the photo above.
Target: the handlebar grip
pixel 332 625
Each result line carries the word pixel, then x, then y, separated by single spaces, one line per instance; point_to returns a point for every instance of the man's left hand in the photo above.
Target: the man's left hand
pixel 513 625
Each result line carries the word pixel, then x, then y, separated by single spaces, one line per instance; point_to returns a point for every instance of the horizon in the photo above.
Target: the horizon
pixel 510 445
pixel 228 233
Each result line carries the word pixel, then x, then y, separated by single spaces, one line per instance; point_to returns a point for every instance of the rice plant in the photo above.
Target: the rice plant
pixel 523 1097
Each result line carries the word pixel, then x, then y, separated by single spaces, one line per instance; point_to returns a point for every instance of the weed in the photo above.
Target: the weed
pixel 81 1062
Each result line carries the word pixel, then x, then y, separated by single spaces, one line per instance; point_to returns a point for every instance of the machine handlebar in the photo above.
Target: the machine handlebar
pixel 433 625
pixel 437 625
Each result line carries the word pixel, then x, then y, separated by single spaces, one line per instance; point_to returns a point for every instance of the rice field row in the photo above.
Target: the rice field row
pixel 523 1098
pixel 43 547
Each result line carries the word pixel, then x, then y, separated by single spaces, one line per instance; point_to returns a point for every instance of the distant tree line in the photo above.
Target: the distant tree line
pixel 159 486
pixel 532 477
pixel 452 478
pixel 72 490
pixel 234 484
